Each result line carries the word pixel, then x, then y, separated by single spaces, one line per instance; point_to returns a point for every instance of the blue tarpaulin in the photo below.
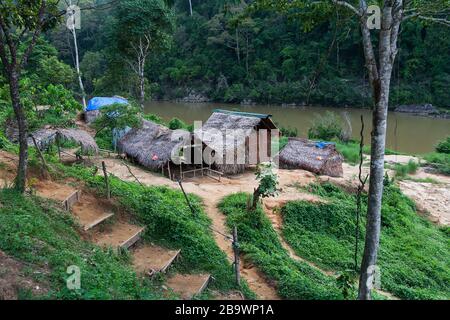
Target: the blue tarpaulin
pixel 323 144
pixel 99 102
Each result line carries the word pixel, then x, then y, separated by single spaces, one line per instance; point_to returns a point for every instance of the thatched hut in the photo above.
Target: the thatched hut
pixel 150 145
pixel 309 155
pixel 47 136
pixel 217 133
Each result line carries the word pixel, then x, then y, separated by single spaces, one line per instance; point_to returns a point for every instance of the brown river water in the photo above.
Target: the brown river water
pixel 406 133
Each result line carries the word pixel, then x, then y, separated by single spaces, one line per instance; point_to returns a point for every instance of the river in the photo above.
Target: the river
pixel 406 133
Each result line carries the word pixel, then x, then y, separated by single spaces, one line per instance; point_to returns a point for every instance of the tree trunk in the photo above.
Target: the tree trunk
pixel 141 85
pixel 255 200
pixel 380 81
pixel 190 7
pixel 20 181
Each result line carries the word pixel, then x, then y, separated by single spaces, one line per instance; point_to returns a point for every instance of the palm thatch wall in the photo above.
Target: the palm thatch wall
pixel 303 154
pixel 45 137
pixel 214 134
pixel 151 145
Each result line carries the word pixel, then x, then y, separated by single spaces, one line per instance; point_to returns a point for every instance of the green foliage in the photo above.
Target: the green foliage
pixel 326 127
pixel 439 161
pixel 267 180
pixel 33 231
pixel 154 118
pixel 117 116
pixel 289 132
pixel 176 123
pixel 260 244
pixel 60 107
pixel 444 146
pixel 413 254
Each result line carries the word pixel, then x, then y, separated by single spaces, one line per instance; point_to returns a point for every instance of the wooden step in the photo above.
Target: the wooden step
pixel 120 235
pixel 150 259
pixel 188 285
pixel 65 194
pixel 92 211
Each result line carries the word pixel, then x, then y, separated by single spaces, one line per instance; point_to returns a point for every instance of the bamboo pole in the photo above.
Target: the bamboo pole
pixel 105 174
pixel 236 256
pixel 41 156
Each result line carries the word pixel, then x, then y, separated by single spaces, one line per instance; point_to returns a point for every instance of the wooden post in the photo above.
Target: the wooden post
pixel 108 192
pixel 58 145
pixel 44 163
pixel 168 169
pixel 236 256
pixel 186 197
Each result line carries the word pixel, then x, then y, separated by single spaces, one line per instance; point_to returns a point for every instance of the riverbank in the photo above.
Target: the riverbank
pixel 405 133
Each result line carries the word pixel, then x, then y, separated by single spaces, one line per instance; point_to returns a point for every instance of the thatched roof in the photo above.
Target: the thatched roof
pixel 151 145
pixel 304 154
pixel 214 133
pixel 90 116
pixel 47 136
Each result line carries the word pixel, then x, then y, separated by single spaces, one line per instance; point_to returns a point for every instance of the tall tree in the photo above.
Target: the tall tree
pixel 379 64
pixel 21 23
pixel 143 26
pixel 71 25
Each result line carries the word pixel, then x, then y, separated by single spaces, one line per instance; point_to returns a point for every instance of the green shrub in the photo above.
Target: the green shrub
pixel 402 170
pixel 176 123
pixel 289 132
pixel 439 161
pixel 326 127
pixel 444 146
pixel 413 255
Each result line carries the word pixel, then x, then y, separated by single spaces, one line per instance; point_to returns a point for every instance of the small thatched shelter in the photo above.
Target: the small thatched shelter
pixel 47 136
pixel 150 145
pixel 216 133
pixel 306 154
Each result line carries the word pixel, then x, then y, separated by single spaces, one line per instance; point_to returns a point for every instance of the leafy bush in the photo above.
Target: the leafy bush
pixel 260 244
pixel 289 132
pixel 444 146
pixel 176 123
pixel 402 170
pixel 326 127
pixel 440 161
pixel 413 255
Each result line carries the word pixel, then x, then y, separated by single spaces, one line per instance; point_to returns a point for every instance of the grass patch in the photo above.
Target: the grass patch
pixel 260 244
pixel 413 257
pixel 402 170
pixel 439 161
pixel 33 231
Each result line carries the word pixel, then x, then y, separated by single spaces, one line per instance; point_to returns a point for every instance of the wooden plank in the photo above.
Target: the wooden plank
pixel 132 240
pixel 163 269
pixel 71 200
pixel 97 222
pixel 205 285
